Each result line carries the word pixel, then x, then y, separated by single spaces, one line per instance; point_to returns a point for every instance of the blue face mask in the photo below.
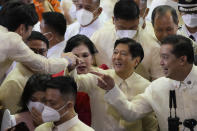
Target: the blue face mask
pixel 0 7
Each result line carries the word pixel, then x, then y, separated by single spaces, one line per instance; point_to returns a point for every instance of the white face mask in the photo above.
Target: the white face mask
pixel 190 20
pixel 37 105
pixel 51 115
pixel 72 12
pixel 126 33
pixel 84 17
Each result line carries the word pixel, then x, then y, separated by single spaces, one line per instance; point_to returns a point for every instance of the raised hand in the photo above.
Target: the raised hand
pixel 72 59
pixel 105 82
pixel 36 116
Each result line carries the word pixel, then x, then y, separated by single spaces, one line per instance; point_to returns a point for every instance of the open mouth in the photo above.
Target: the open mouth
pixel 81 68
pixel 118 64
pixel 165 70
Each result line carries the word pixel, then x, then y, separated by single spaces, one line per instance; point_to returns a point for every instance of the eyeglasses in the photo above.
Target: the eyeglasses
pixel 39 51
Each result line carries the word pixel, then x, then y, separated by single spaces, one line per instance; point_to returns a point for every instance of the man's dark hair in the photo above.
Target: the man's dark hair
pixel 126 10
pixel 55 21
pixel 66 85
pixel 35 35
pixel 13 14
pixel 135 48
pixel 35 83
pixel 2 2
pixel 79 40
pixel 182 46
pixel 162 10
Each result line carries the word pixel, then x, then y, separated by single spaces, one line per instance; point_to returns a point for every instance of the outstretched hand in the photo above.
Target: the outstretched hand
pixel 72 59
pixel 105 82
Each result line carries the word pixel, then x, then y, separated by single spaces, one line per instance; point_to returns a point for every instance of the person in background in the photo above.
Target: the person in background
pixel 165 22
pixel 188 10
pixel 126 24
pixel 82 47
pixel 61 95
pixel 53 26
pixel 13 86
pixel 32 102
pixel 89 20
pixel 13 36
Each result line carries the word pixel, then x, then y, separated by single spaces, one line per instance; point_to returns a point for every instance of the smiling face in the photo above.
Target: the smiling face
pixel 83 53
pixel 169 62
pixel 122 60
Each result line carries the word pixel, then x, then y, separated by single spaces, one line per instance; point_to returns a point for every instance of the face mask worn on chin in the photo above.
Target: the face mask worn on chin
pixel 51 115
pixel 190 20
pixel 126 33
pixel 84 17
pixel 37 105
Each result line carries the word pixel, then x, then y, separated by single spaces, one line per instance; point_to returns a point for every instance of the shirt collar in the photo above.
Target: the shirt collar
pixel 68 124
pixel 189 81
pixel 119 80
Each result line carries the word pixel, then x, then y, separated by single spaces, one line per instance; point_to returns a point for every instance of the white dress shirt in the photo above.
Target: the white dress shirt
pixel 105 118
pixel 67 125
pixel 76 28
pixel 156 98
pixel 12 48
pixel 56 50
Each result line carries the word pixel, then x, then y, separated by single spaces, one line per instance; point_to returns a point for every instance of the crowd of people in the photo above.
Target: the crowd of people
pixel 98 65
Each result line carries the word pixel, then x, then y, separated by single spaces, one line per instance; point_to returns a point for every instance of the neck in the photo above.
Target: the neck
pixel 55 41
pixel 66 118
pixel 184 72
pixel 191 30
pixel 124 75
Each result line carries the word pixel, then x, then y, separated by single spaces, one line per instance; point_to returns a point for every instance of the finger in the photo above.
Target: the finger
pixel 102 84
pixel 35 112
pixel 98 74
